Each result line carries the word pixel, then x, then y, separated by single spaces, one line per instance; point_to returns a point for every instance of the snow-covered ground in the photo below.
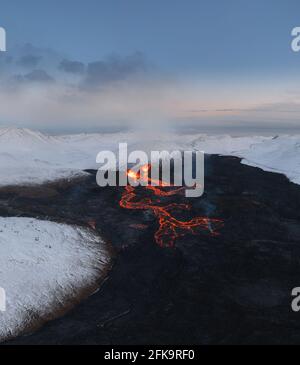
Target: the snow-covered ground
pixel 30 157
pixel 281 154
pixel 45 268
pixel 276 154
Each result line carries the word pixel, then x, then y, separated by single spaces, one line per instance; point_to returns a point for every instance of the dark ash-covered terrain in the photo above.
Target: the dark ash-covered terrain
pixel 234 288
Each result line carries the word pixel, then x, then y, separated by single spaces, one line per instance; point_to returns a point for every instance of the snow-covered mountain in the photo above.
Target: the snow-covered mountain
pixel 24 135
pixel 31 157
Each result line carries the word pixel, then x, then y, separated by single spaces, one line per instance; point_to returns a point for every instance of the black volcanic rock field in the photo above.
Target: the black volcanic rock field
pixel 233 288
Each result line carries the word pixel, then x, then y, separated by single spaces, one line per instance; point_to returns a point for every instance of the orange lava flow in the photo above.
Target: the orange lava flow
pixel 170 228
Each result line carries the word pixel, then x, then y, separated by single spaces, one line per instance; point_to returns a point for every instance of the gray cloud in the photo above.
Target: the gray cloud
pixel 45 65
pixel 74 67
pixel 38 76
pixel 115 68
pixel 29 61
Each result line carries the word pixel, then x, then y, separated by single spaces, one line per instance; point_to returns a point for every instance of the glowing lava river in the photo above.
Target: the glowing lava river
pixel 170 227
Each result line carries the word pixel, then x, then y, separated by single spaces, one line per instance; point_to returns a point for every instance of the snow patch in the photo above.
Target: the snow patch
pixel 45 268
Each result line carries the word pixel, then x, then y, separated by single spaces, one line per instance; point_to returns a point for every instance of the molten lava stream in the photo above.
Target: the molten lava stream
pixel 170 228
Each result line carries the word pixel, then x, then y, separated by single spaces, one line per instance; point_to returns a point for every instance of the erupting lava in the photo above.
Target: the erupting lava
pixel 170 228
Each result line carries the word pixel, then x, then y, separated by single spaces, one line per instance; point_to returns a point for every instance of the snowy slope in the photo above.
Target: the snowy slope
pixel 225 144
pixel 30 157
pixel 45 268
pixel 280 154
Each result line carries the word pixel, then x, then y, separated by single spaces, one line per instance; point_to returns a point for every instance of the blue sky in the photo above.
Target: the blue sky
pixel 177 34
pixel 230 59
